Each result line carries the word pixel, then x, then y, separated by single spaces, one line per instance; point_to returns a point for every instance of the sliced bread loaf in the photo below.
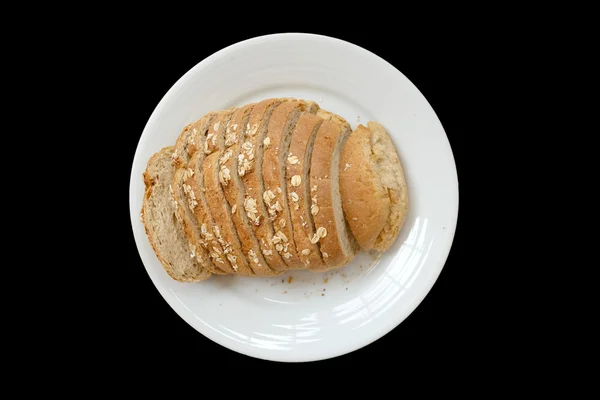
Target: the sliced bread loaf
pixel 337 245
pixel 299 201
pixel 233 188
pixel 373 187
pixel 163 228
pixel 250 170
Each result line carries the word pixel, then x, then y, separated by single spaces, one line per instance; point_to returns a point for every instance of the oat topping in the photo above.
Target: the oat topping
pixel 234 209
pixel 216 126
pixel 193 249
pixel 226 156
pixel 252 131
pixel 267 252
pixel 205 234
pixel 322 231
pixel 293 160
pixel 252 255
pixel 232 260
pixel 267 142
pixel 296 180
pixel 282 223
pixel 216 250
pixel 347 166
pixel 354 219
pixel 287 256
pixel 279 247
pixel 294 196
pixel 268 196
pixel 191 196
pixel 224 175
pixel 314 188
pixel 278 189
pixel 325 255
pixel 306 252
pixel 314 209
pixel 251 211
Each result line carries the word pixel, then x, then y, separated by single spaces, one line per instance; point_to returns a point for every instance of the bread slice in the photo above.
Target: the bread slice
pixel 299 201
pixel 251 175
pixel 221 213
pixel 163 228
pixel 211 238
pixel 337 245
pixel 373 187
pixel 192 139
pixel 210 227
pixel 185 210
pixel 275 157
pixel 188 142
pixel 236 149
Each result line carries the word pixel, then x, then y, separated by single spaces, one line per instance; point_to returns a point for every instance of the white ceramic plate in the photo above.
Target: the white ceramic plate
pixel 303 316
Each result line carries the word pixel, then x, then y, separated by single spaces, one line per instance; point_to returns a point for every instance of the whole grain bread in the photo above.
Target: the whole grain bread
pixel 162 224
pixel 373 187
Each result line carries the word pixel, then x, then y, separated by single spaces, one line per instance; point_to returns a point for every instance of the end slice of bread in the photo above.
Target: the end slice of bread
pixel 163 228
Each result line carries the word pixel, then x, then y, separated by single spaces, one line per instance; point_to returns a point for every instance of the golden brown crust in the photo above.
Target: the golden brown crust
pixel 302 222
pixel 365 201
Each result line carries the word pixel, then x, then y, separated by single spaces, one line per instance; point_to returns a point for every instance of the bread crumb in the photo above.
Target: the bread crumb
pixel 347 166
pixel 325 280
pixel 216 125
pixel 290 279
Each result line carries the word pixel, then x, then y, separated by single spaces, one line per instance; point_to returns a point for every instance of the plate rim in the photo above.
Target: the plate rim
pixel 180 309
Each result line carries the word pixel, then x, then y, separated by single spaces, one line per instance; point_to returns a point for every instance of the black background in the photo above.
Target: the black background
pixel 140 326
